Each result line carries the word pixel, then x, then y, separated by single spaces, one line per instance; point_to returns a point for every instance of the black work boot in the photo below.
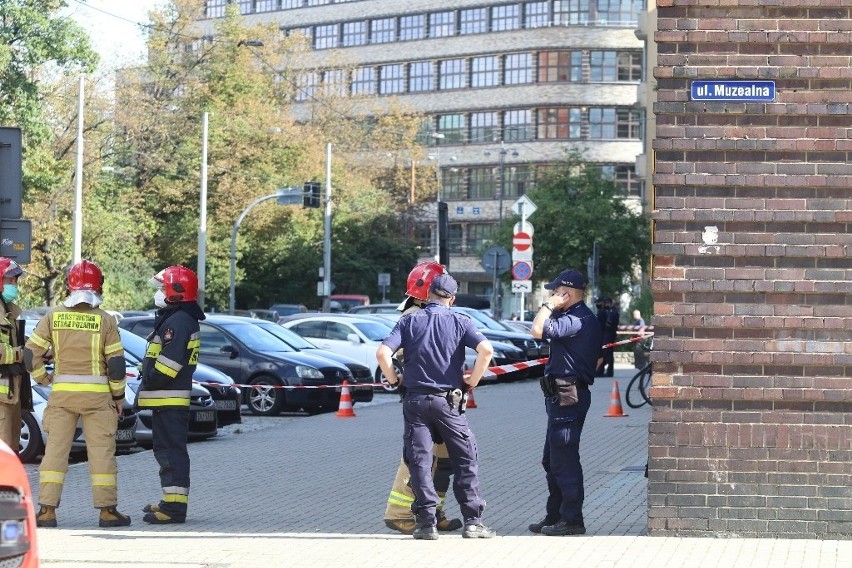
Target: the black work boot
pixel 563 528
pixel 545 522
pixel 425 532
pixel 151 508
pixel 445 524
pixel 110 517
pixel 46 517
pixel 160 518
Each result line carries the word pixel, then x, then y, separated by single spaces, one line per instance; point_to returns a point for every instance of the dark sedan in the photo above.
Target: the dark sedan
pixel 226 397
pixel 252 356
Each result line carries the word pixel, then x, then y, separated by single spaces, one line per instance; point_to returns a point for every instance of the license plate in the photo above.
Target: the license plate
pixel 123 435
pixel 226 404
pixel 204 416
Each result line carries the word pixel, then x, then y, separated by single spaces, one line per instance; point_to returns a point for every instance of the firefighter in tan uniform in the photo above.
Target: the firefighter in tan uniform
pixel 398 514
pixel 88 384
pixel 15 393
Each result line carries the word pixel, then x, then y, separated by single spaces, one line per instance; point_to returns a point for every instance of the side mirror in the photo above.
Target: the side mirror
pixel 354 339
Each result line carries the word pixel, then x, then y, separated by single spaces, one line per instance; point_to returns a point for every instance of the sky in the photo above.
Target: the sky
pixel 113 28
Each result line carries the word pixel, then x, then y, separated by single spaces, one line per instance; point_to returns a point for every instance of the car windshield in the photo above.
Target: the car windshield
pixel 256 338
pixel 374 331
pixel 482 321
pixel 291 338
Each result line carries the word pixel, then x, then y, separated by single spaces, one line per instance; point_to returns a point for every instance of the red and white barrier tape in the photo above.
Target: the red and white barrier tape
pixel 626 341
pixel 635 327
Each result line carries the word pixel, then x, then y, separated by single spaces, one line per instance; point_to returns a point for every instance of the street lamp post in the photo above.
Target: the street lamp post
pixel 502 175
pixel 436 157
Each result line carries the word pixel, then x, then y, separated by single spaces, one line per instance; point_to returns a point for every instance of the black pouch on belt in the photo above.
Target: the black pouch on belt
pixel 566 390
pixel 548 388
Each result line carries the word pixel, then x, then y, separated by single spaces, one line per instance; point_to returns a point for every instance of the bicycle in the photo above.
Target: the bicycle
pixel 642 379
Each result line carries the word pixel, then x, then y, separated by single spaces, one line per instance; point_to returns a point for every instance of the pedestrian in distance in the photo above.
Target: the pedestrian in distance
pixel 637 318
pixel 575 345
pixel 88 384
pixel 15 393
pixel 170 360
pixel 398 513
pixel 434 340
pixel 610 332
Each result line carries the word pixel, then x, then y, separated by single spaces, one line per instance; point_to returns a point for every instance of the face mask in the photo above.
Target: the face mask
pixel 10 292
pixel 160 299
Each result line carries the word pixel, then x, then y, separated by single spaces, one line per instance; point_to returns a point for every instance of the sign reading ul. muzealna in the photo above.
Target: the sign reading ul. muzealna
pixel 741 91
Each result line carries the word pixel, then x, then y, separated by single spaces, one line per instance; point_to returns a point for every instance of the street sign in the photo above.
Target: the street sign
pixel 521 241
pixel 526 228
pixel 528 206
pixel 16 239
pixel 521 286
pixel 737 90
pixel 522 270
pixel 384 279
pixel 496 258
pixel 10 173
pixel 522 255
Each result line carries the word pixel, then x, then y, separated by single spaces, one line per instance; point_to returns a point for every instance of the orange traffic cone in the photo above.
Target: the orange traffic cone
pixel 345 408
pixel 470 402
pixel 615 409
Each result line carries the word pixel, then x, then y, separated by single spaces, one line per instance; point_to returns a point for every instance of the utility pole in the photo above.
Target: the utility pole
pixel 202 223
pixel 326 241
pixel 77 244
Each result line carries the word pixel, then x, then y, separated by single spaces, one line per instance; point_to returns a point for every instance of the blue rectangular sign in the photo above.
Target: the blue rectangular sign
pixel 742 91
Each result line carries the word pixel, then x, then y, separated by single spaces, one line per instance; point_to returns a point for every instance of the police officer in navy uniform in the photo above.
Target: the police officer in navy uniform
pixel 575 345
pixel 434 340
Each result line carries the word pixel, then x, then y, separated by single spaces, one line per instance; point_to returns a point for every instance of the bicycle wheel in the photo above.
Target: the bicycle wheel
pixel 645 384
pixel 635 401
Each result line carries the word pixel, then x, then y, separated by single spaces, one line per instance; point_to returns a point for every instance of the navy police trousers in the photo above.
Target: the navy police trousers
pixel 170 432
pixel 429 418
pixel 561 459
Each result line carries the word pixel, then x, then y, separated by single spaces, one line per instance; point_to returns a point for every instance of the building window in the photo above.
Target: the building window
pixel 334 82
pixel 442 24
pixel 423 238
pixel 536 15
pixel 326 37
pixel 290 4
pixel 483 127
pixel 629 123
pixel 518 68
pixel 618 12
pixel 452 127
pixel 571 12
pixel 479 236
pixel 420 77
pixel 412 27
pixel 555 66
pixel 306 86
pixel 245 6
pixel 354 33
pixel 382 30
pixel 455 241
pixel 364 81
pixel 602 123
pixel 265 5
pixel 484 71
pixel 391 79
pixel 484 290
pixel 453 184
pixel 518 125
pixel 603 66
pixel 483 183
pixel 519 180
pixel 473 21
pixel 216 8
pixel 505 18
pixel 559 123
pixel 625 177
pixel 451 74
pixel 630 66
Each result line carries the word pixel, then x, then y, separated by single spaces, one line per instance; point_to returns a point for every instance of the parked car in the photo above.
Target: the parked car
pixel 497 331
pixel 517 325
pixel 18 546
pixel 346 301
pixel 375 309
pixel 252 356
pixel 34 438
pixel 361 373
pixel 203 416
pixel 288 309
pixel 226 397
pixel 342 333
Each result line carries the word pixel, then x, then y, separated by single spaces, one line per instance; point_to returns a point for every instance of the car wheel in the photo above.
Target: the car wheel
pixel 263 399
pixel 380 378
pixel 31 441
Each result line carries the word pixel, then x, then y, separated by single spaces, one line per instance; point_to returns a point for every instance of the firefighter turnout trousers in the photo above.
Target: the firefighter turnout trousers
pixel 171 430
pixel 100 421
pixel 10 411
pixel 402 497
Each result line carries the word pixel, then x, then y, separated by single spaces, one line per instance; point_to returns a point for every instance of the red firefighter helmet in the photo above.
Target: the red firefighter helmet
pixel 85 275
pixel 179 283
pixel 420 278
pixel 9 268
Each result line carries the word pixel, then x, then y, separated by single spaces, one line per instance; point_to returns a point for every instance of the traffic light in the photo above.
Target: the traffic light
pixel 312 194
pixel 10 173
pixel 443 234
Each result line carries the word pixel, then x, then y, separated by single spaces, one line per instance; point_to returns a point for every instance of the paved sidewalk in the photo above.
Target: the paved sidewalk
pixel 310 491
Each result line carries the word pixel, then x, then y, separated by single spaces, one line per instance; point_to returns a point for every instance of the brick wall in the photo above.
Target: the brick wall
pixel 752 424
